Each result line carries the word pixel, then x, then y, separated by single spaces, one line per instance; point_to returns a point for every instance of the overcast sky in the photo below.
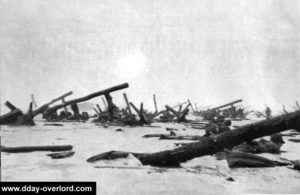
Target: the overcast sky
pixel 211 52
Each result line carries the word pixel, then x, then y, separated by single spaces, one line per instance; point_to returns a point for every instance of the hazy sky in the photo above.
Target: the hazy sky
pixel 211 51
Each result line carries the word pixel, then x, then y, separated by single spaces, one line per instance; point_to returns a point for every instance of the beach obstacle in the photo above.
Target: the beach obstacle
pixel 51 111
pixel 17 117
pixel 227 110
pixel 144 117
pixel 180 114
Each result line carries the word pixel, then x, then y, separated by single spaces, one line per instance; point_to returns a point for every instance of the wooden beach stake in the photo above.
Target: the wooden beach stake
pixel 155 104
pixel 99 109
pixel 127 103
pixel 33 101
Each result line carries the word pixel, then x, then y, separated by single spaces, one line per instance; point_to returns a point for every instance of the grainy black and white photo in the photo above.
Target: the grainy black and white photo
pixel 152 96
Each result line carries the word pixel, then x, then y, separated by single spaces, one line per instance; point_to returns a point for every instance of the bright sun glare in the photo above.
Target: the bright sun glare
pixel 131 65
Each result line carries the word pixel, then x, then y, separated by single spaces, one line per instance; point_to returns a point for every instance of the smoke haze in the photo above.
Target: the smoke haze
pixel 210 52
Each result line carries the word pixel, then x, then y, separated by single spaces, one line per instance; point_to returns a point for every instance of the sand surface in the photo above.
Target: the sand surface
pixel 204 175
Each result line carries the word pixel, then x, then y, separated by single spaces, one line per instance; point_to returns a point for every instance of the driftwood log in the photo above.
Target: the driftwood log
pixel 211 145
pixel 180 137
pixel 35 148
pixel 174 137
pixel 60 155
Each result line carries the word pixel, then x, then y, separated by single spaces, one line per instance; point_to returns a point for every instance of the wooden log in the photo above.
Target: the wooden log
pixel 30 111
pixel 110 107
pixel 181 137
pixel 60 155
pixel 142 108
pixel 10 105
pixel 179 109
pixel 64 102
pixel 151 135
pixel 213 144
pixel 60 97
pixel 152 126
pixel 104 103
pixel 135 108
pixel 155 104
pixel 191 105
pixel 47 110
pixel 228 104
pixel 75 109
pixel 36 148
pixel 39 110
pixel 127 103
pixel 88 97
pixel 99 109
pixel 53 124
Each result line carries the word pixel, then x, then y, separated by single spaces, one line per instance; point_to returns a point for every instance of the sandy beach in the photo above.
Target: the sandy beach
pixel 204 175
